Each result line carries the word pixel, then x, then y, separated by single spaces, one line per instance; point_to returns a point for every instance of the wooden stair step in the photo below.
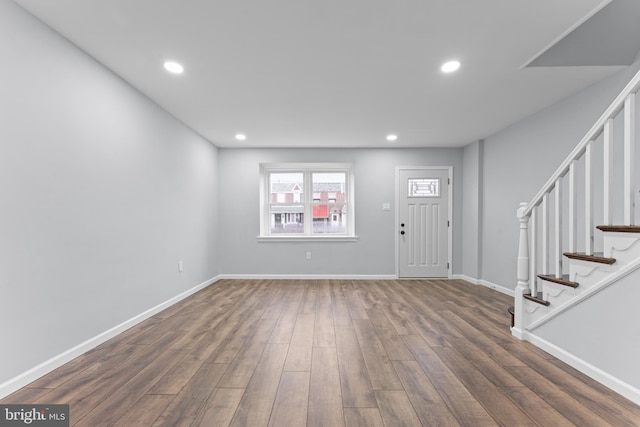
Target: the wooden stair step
pixel 564 280
pixel 537 298
pixel 620 228
pixel 596 257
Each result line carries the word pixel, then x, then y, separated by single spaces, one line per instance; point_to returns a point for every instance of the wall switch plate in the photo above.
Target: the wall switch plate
pixel 308 255
pixel 180 266
pixel 386 206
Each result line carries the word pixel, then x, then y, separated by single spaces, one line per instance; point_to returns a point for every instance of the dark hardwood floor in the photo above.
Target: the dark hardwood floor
pixel 328 353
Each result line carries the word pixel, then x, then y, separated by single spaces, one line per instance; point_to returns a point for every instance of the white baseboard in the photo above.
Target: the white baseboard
pixel 498 288
pixel 465 278
pixel 608 380
pixel 55 362
pixel 485 283
pixel 309 276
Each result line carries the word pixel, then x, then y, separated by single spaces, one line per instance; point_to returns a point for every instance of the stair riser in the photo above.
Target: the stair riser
pixel 558 294
pixel 588 273
pixel 624 247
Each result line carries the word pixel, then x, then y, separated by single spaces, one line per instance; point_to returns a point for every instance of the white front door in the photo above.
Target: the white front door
pixel 423 222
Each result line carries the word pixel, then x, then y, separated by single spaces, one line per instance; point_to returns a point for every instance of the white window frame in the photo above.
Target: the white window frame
pixel 307 169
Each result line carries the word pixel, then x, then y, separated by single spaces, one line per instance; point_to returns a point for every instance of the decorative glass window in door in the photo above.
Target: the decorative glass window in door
pixel 424 187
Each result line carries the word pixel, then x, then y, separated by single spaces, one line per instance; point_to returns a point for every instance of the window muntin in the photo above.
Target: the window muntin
pixel 287 211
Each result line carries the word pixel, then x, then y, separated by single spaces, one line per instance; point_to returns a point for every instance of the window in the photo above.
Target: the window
pixel 424 187
pixel 306 200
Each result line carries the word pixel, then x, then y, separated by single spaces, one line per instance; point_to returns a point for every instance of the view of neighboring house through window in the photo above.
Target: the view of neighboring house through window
pixel 306 200
pixel 329 208
pixel 287 202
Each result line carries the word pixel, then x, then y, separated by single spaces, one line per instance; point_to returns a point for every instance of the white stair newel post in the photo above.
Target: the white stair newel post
pixel 522 271
pixel 588 201
pixel 608 172
pixel 523 248
pixel 629 158
pixel 558 230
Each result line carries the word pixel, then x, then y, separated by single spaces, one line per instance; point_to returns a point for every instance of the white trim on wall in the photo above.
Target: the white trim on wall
pixel 55 362
pixel 309 276
pixel 614 383
pixel 485 283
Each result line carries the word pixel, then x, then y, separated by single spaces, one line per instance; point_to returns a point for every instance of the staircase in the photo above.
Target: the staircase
pixel 563 258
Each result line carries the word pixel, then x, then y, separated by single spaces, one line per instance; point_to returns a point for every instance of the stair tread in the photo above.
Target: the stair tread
pixel 564 280
pixel 537 299
pixel 620 228
pixel 596 257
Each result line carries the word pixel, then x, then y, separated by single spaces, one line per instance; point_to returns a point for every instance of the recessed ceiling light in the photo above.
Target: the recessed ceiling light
pixel 173 67
pixel 392 137
pixel 450 67
pixel 241 136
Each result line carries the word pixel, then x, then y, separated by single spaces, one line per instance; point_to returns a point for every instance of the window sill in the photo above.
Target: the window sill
pixel 266 239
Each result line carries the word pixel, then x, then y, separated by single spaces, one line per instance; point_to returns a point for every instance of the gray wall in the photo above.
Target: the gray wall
pixel 472 190
pixel 372 254
pixel 520 159
pixel 609 342
pixel 101 192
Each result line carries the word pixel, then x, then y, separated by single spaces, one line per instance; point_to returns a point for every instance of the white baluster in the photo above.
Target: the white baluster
pixel 545 234
pixel 608 172
pixel 629 157
pixel 588 201
pixel 573 209
pixel 558 230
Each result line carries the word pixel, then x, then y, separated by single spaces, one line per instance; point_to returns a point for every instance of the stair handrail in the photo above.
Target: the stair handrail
pixel 614 108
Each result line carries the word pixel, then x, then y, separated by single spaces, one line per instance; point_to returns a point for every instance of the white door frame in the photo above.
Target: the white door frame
pixel 449 214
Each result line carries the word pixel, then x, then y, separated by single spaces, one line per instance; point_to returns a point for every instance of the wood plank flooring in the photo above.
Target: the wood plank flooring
pixel 328 353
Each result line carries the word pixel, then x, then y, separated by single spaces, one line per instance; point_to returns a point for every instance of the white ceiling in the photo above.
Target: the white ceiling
pixel 334 73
